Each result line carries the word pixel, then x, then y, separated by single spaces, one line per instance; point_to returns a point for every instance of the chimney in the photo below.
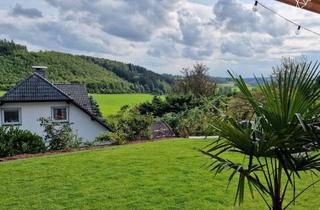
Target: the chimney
pixel 40 70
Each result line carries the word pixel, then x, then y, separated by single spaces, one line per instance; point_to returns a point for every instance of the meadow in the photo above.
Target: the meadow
pixel 233 87
pixel 111 103
pixel 168 174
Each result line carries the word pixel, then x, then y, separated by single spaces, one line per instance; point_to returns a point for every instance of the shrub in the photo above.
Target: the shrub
pixel 59 135
pixel 172 103
pixel 117 138
pixel 245 112
pixel 130 125
pixel 14 141
pixel 196 121
pixel 103 137
pixel 173 119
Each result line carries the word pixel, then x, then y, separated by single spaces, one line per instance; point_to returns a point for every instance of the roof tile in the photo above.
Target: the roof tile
pixel 78 93
pixel 34 88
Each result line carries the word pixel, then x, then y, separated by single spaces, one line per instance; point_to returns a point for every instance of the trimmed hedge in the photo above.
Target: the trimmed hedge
pixel 14 141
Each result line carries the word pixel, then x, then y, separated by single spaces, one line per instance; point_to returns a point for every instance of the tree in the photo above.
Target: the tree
pixel 280 143
pixel 287 63
pixel 100 75
pixel 196 81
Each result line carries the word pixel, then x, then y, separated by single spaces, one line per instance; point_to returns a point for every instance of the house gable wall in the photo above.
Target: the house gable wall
pixel 82 124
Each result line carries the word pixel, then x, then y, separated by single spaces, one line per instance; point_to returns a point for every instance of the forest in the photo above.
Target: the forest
pixel 99 74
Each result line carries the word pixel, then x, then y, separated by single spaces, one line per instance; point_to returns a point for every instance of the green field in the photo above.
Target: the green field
pixel 233 86
pixel 157 175
pixel 111 103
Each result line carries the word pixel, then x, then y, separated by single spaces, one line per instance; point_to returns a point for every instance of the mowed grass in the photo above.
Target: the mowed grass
pixel 111 103
pixel 167 174
pixel 2 93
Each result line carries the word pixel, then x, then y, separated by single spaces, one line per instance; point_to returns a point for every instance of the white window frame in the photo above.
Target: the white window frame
pixel 11 109
pixel 60 107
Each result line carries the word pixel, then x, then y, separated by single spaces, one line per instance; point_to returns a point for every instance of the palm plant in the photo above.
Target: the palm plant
pixel 279 143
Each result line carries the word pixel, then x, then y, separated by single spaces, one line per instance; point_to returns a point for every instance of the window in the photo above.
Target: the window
pixel 60 114
pixel 11 116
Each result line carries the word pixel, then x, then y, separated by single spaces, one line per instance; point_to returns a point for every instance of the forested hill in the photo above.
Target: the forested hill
pixel 100 75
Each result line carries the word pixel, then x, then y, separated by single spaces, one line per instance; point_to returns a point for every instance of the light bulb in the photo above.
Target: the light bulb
pixel 255 6
pixel 298 31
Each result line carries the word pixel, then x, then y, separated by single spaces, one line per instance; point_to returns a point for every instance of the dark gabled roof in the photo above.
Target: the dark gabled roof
pixel 78 93
pixel 38 89
pixel 34 88
pixel 161 129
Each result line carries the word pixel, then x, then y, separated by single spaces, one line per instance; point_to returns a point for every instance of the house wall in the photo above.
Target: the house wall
pixel 82 124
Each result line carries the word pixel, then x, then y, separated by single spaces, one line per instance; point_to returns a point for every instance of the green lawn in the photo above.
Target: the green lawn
pixel 157 175
pixel 111 103
pixel 2 93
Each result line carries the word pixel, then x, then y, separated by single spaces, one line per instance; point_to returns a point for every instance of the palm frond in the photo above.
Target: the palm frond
pixel 246 173
pixel 283 134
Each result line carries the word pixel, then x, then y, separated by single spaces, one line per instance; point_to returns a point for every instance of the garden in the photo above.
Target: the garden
pixel 168 174
pixel 266 155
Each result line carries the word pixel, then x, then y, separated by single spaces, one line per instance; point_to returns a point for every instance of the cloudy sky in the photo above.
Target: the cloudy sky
pixel 164 35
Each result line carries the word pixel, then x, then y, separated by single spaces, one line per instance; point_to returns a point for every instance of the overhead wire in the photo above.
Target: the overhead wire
pixel 299 26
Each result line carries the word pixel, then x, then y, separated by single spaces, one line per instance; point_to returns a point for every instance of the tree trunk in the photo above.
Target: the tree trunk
pixel 276 200
pixel 277 205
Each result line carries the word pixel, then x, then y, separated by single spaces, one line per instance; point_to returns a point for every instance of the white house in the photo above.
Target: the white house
pixel 36 97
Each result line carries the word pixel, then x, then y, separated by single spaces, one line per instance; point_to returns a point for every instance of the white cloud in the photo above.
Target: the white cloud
pixel 165 35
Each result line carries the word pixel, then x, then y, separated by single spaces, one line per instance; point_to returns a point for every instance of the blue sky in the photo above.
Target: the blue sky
pixel 164 35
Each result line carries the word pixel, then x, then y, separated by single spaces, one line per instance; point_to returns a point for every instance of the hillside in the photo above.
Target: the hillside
pixel 100 75
pixel 135 74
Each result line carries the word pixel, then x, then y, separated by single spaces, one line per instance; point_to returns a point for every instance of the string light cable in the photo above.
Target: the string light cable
pixel 299 27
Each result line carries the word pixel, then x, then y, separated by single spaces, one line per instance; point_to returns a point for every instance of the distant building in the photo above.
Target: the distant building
pixel 160 130
pixel 36 97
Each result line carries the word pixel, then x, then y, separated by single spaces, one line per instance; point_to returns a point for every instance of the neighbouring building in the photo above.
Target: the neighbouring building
pixel 36 97
pixel 160 130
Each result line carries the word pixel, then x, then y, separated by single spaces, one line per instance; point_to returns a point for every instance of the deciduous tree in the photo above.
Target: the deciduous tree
pixel 196 81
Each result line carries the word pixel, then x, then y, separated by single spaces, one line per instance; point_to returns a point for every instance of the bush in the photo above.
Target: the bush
pixel 14 141
pixel 239 108
pixel 191 122
pixel 114 138
pixel 59 135
pixel 172 104
pixel 195 121
pixel 117 138
pixel 173 119
pixel 130 125
pixel 103 137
